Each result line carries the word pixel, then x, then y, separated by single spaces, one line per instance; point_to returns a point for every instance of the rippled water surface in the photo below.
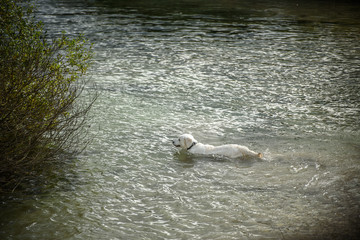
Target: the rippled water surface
pixel 280 77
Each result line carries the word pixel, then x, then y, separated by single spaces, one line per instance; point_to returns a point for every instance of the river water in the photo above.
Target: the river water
pixel 281 77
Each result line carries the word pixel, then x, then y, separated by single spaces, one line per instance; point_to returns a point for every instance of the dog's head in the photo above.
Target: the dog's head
pixel 185 141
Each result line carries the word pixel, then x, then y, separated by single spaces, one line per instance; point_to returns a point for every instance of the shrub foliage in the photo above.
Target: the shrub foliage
pixel 40 86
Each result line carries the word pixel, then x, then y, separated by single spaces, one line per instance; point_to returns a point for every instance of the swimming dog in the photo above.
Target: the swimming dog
pixel 189 143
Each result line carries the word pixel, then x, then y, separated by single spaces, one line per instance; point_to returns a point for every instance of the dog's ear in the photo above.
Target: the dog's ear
pixel 188 141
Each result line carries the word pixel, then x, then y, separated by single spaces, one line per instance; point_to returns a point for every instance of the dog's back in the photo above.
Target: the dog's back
pixel 229 150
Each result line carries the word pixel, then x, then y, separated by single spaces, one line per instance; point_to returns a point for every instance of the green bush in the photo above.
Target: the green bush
pixel 40 86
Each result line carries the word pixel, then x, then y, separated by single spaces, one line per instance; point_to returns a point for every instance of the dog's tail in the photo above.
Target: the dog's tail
pixel 260 155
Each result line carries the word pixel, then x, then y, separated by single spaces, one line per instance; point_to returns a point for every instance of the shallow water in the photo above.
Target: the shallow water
pixel 282 79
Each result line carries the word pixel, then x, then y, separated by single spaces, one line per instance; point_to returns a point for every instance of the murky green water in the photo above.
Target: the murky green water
pixel 279 77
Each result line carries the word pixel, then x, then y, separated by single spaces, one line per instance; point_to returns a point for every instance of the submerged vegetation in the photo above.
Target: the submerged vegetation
pixel 42 111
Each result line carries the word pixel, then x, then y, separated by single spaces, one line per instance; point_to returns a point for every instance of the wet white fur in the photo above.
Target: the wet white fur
pixel 186 141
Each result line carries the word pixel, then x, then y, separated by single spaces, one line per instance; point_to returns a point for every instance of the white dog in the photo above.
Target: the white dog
pixel 188 142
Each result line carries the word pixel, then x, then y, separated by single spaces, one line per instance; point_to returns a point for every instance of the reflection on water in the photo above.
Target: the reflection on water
pixel 279 77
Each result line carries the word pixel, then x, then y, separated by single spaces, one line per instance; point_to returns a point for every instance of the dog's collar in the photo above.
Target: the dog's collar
pixel 193 144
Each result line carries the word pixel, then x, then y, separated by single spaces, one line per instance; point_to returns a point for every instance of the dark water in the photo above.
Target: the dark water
pixel 281 77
